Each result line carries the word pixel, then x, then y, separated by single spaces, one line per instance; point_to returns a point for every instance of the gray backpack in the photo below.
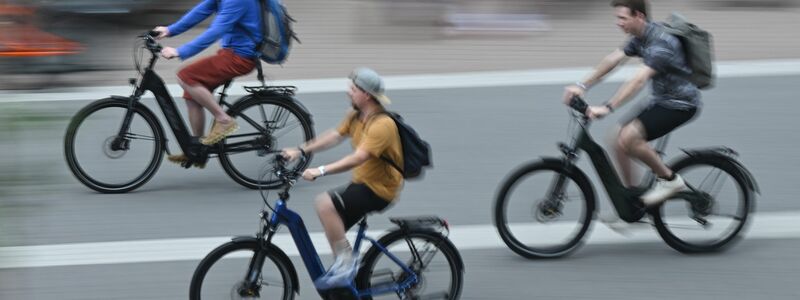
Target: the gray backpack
pixel 697 48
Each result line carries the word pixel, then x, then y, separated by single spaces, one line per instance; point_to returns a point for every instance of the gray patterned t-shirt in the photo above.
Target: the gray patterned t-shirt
pixel 663 52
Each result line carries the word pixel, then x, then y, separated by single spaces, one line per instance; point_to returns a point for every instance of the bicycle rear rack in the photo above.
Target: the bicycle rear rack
pixel 287 90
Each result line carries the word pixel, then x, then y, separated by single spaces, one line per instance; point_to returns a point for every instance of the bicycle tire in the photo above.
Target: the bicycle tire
pixel 744 207
pixel 273 254
pixel 502 200
pixel 373 256
pixel 266 143
pixel 98 184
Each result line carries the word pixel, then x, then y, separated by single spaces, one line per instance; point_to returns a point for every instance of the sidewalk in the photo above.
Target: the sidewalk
pixel 338 35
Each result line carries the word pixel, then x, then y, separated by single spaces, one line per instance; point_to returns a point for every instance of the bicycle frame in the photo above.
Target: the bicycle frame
pixel 150 81
pixel 284 216
pixel 625 200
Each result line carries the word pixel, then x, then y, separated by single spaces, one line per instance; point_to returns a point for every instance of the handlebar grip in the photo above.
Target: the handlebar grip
pixel 153 33
pixel 578 104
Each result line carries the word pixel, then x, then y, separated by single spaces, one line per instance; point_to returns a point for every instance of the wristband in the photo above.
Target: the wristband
pixel 581 85
pixel 610 108
pixel 321 170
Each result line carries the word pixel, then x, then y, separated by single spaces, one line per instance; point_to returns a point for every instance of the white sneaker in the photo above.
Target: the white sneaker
pixel 662 190
pixel 341 274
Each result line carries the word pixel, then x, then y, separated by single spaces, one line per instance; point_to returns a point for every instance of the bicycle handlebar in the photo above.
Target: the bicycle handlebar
pixel 150 41
pixel 285 175
pixel 577 104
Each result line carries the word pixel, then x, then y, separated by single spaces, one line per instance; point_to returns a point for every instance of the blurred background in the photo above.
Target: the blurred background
pixel 47 44
pixel 50 47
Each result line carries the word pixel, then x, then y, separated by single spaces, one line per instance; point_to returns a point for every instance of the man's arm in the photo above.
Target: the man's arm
pixel 346 163
pixel 605 66
pixel 624 94
pixel 632 86
pixel 227 16
pixel 324 141
pixel 196 15
pixel 328 139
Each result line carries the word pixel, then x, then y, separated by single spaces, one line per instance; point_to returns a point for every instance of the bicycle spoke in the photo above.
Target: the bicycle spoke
pixel 285 130
pixel 270 283
pixel 255 124
pixel 279 117
pixel 139 137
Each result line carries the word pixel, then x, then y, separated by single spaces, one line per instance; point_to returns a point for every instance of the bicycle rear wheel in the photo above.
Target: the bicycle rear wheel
pixel 221 274
pixel 106 162
pixel 428 254
pixel 267 125
pixel 544 209
pixel 712 215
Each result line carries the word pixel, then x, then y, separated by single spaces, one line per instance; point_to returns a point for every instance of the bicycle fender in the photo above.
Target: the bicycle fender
pixel 729 155
pixel 274 250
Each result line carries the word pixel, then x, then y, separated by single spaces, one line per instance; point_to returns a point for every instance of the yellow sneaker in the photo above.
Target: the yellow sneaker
pixel 218 132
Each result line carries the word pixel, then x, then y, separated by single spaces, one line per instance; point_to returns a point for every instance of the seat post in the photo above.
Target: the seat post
pixel 223 93
pixel 661 145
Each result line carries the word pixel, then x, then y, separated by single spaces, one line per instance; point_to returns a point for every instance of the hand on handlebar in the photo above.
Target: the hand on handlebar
pixel 162 32
pixel 597 112
pixel 291 154
pixel 571 91
pixel 311 174
pixel 169 52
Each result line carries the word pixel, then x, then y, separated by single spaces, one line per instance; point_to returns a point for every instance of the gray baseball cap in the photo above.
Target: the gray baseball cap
pixel 369 81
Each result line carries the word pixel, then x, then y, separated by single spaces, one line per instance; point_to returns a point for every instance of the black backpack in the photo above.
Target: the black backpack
pixel 416 152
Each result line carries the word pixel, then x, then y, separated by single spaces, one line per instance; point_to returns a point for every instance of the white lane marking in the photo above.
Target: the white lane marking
pixel 773 225
pixel 727 69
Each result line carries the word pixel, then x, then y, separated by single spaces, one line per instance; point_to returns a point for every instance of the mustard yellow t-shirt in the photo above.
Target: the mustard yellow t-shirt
pixel 379 137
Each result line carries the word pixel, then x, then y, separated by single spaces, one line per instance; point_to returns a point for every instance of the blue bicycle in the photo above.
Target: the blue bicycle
pixel 415 260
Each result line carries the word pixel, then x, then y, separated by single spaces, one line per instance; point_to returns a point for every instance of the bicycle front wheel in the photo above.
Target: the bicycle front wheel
pixel 267 125
pixel 544 209
pixel 711 215
pixel 105 161
pixel 222 274
pixel 428 254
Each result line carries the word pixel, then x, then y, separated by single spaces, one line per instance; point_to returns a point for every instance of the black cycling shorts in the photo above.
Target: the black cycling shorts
pixel 658 120
pixel 355 201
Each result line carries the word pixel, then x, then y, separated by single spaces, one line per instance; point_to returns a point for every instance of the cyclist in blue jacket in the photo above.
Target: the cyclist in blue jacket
pixel 238 25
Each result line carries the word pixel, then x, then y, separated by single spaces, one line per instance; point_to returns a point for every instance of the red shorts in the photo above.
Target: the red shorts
pixel 215 70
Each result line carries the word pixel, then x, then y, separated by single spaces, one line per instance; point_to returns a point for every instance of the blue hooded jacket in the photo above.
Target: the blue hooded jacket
pixel 237 23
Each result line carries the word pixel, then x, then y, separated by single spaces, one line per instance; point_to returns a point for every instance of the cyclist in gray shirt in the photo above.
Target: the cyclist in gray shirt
pixel 675 100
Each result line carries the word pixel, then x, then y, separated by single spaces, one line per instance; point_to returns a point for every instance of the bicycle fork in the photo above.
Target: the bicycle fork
pixel 550 207
pixel 251 286
pixel 121 142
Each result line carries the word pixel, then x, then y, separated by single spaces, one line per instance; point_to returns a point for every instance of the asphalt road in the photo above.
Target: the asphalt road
pixel 478 135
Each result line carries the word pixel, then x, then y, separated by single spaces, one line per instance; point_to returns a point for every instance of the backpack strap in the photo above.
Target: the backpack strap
pixel 264 29
pixel 383 157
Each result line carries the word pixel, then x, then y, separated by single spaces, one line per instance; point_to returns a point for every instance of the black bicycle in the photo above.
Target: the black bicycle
pixel 544 208
pixel 116 144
